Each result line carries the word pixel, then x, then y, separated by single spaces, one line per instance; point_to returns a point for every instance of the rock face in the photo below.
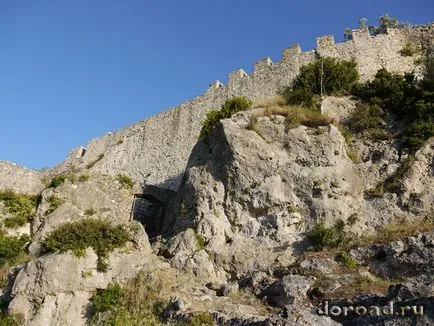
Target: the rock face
pixel 232 241
pixel 99 196
pixel 251 194
pixel 233 233
pixel 55 289
pixel 251 197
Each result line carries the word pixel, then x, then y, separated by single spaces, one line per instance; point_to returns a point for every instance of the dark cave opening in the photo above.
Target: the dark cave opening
pixel 149 211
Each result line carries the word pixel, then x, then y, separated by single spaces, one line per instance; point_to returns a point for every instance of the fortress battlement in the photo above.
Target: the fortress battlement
pixel 155 151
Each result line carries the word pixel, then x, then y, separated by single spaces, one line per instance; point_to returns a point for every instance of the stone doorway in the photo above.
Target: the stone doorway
pixel 149 211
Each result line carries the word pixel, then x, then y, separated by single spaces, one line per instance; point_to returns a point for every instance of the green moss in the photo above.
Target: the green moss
pixel 19 206
pixel 77 236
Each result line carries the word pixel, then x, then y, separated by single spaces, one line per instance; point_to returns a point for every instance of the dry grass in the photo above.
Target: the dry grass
pixel 362 284
pixel 394 232
pixel 296 116
pixel 253 125
pixel 354 155
pixel 385 234
pixel 269 102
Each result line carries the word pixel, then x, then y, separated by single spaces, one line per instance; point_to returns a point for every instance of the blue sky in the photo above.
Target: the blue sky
pixel 73 70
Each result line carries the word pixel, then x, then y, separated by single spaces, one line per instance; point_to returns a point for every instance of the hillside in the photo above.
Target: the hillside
pixel 305 185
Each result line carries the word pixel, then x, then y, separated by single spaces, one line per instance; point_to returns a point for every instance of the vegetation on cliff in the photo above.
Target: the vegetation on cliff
pixel 139 302
pixel 227 110
pixel 20 206
pixel 77 236
pixel 11 248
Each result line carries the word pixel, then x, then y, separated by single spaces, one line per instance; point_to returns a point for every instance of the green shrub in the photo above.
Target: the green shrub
pixel 125 181
pixel 57 181
pixel 139 302
pixel 386 90
pixel 107 298
pixel 11 320
pixel 348 136
pixel 377 191
pixel 408 50
pixel 72 176
pixel 322 237
pixel 418 133
pixel 352 219
pixel 385 22
pixel 77 236
pixel 229 108
pixel 54 203
pixel 20 206
pixel 11 247
pixel 332 75
pixel 409 99
pixel 201 319
pixel 346 260
pixel 301 96
pixel 367 120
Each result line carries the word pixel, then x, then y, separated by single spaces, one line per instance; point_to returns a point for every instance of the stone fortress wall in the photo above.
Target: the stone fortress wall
pixel 20 179
pixel 155 151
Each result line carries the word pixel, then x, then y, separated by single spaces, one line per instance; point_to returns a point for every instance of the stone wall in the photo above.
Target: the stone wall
pixel 155 151
pixel 20 179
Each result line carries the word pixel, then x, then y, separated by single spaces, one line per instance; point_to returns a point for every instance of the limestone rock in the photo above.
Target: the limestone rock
pixel 54 282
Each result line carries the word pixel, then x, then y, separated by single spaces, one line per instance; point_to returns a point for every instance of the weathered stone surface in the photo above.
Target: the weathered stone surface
pixel 252 198
pixel 20 179
pixel 244 201
pixel 289 290
pixel 98 197
pixel 55 282
pixel 156 150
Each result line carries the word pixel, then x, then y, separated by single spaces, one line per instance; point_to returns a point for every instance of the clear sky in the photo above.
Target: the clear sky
pixel 73 70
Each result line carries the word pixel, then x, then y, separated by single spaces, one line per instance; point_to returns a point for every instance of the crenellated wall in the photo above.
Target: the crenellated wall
pixel 155 151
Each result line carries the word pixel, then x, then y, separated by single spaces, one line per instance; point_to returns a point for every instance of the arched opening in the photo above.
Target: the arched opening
pixel 149 211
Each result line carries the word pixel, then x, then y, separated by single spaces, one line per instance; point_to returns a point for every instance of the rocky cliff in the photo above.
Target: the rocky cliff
pixel 263 223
